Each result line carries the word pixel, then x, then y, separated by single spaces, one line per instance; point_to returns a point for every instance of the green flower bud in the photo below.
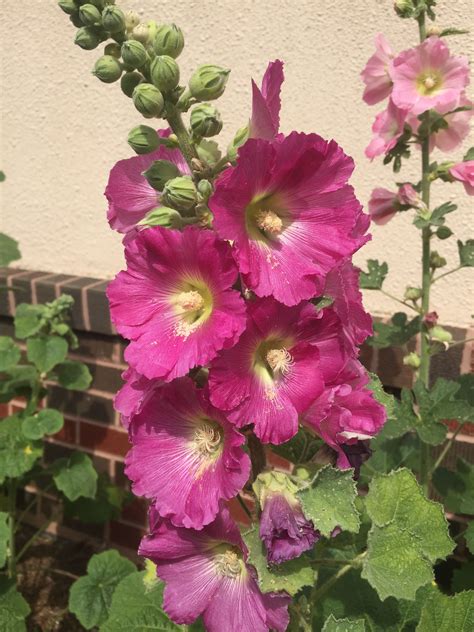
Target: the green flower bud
pixel 180 193
pixel 159 172
pixel 141 33
pixel 148 100
pixel 443 232
pixel 113 49
pixel 100 4
pixel 143 139
pixel 68 6
pixel 134 53
pixel 436 260
pixel 208 82
pixel 113 19
pixel 87 38
pixel 132 19
pixel 89 15
pixel 162 216
pixel 271 482
pixel 164 73
pixel 440 334
pixel 76 20
pixel 205 189
pixel 169 40
pixel 107 69
pixel 404 8
pixel 412 293
pixel 205 120
pixel 413 360
pixel 129 82
pixel 240 139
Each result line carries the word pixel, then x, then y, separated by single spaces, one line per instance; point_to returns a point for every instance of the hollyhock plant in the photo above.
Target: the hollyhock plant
pixel 290 213
pixel 175 302
pixel 185 455
pixel 383 205
pixel 376 74
pixel 428 77
pixel 205 574
pixel 133 395
pixel 265 120
pixel 387 128
pixel 464 172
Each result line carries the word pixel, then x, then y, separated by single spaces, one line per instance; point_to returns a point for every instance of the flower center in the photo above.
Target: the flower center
pixel 429 82
pixel 268 221
pixel 279 360
pixel 192 304
pixel 208 438
pixel 191 301
pixel 228 564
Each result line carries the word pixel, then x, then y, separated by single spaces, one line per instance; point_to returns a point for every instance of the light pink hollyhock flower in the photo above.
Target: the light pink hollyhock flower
pixel 382 205
pixel 186 456
pixel 129 195
pixel 408 196
pixel 133 395
pixel 265 120
pixel 290 213
pixel 376 75
pixel 175 302
pixel 342 285
pixel 464 172
pixel 274 372
pixel 346 413
pixel 428 77
pixel 206 574
pixel 387 128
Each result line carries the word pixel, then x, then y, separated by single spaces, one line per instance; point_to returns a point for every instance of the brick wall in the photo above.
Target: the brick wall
pixel 91 423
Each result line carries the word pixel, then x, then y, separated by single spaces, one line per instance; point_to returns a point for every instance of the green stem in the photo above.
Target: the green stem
pixel 186 145
pixel 399 300
pixel 12 484
pixel 446 449
pixel 446 273
pixel 322 590
pixel 31 540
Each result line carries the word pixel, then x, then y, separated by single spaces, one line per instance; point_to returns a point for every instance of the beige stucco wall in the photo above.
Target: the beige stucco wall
pixel 62 129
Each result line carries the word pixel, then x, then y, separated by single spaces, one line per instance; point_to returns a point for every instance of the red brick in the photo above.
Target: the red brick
pixel 68 432
pixel 3 410
pixel 103 438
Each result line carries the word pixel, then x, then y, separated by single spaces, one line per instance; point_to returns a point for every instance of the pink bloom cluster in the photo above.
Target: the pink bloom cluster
pixel 226 338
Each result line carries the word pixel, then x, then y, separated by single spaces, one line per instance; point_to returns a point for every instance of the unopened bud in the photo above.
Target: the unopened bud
pixel 68 6
pixel 89 14
pixel 87 38
pixel 208 82
pixel 113 19
pixel 134 53
pixel 412 293
pixel 76 20
pixel 404 8
pixel 433 30
pixel 132 19
pixel 148 100
pixel 180 193
pixel 107 69
pixel 240 139
pixel 168 40
pixel 205 120
pixel 164 72
pixel 443 232
pixel 143 139
pixel 162 216
pixel 141 33
pixel 129 82
pixel 436 260
pixel 205 189
pixel 413 360
pixel 440 334
pixel 160 172
pixel 113 49
pixel 152 30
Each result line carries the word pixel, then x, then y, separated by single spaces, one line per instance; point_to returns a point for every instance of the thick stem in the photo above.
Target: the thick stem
pixel 446 448
pixel 322 590
pixel 186 145
pixel 11 523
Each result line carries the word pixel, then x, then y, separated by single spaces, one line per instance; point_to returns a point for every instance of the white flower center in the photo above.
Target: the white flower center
pixel 269 222
pixel 208 438
pixel 430 82
pixel 228 564
pixel 191 301
pixel 279 360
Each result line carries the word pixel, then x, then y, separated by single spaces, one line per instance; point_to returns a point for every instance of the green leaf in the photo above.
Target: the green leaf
pixel 4 537
pixel 46 352
pixel 404 418
pixel 343 625
pixel 91 596
pixel 391 454
pixel 448 614
pixel 106 505
pixel 46 421
pixel 466 253
pixel 2 176
pixel 290 576
pixel 409 533
pixel 386 399
pixel 437 217
pixel 73 375
pixel 9 250
pixel 453 31
pixel 469 155
pixel 13 608
pixel 469 536
pixel 28 320
pixel 329 501
pixel 19 381
pixel 10 354
pixel 75 476
pixel 137 608
pixel 301 448
pixel 396 333
pixel 17 453
pixel 374 278
pixel 463 578
pixel 456 488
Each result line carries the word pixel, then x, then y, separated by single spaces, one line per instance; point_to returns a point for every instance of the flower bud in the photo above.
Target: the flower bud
pixel 113 49
pixel 134 53
pixel 143 139
pixel 413 360
pixel 162 216
pixel 148 100
pixel 141 33
pixel 89 14
pixel 87 38
pixel 132 19
pixel 240 139
pixel 443 232
pixel 431 319
pixel 113 19
pixel 412 293
pixel 205 120
pixel 68 6
pixel 107 69
pixel 76 20
pixel 208 82
pixel 440 334
pixel 205 189
pixel 159 172
pixel 169 40
pixel 152 29
pixel 129 82
pixel 180 193
pixel 164 72
pixel 404 8
pixel 436 260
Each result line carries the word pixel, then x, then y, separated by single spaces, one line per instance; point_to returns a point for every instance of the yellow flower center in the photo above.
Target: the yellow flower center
pixel 429 82
pixel 229 564
pixel 279 360
pixel 266 218
pixel 192 303
pixel 269 222
pixel 208 438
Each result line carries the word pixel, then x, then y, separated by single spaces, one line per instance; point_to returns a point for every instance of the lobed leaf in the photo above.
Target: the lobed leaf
pixel 75 476
pixel 375 276
pixel 13 608
pixel 10 353
pixel 343 625
pixel 448 614
pixel 9 250
pixel 46 352
pixel 17 453
pixel 46 421
pixel 73 375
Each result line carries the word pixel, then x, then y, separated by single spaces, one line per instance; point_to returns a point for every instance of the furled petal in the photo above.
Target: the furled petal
pixel 265 120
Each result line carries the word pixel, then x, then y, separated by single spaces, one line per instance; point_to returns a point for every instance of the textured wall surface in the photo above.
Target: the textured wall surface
pixel 62 129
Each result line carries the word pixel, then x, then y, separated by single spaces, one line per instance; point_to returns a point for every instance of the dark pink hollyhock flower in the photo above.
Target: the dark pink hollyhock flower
pixel 205 574
pixel 387 128
pixel 290 213
pixel 464 172
pixel 129 195
pixel 133 395
pixel 186 456
pixel 265 120
pixel 275 370
pixel 342 285
pixel 175 302
pixel 382 205
pixel 376 74
pixel 346 413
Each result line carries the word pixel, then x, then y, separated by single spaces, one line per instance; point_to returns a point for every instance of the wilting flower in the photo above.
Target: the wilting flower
pixel 428 77
pixel 346 413
pixel 133 395
pixel 175 302
pixel 464 172
pixel 274 372
pixel 388 127
pixel 284 529
pixel 206 574
pixel 128 192
pixel 383 205
pixel 265 120
pixel 186 456
pixel 290 213
pixel 376 75
pixel 408 196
